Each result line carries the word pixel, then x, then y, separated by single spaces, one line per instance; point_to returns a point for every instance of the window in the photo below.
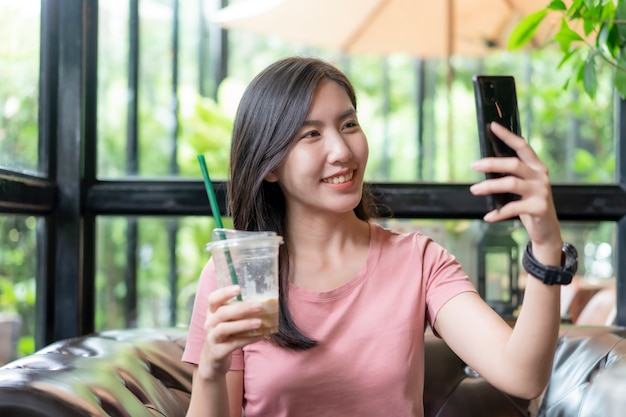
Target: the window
pixel 103 211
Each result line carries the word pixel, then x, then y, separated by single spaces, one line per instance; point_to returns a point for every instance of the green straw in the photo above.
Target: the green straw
pixel 218 218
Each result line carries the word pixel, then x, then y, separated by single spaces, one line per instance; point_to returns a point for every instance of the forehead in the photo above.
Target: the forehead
pixel 329 93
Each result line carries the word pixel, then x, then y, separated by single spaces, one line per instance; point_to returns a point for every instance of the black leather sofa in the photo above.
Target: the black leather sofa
pixel 138 372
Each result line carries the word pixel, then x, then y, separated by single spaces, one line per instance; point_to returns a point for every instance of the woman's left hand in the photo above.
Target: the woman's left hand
pixel 529 179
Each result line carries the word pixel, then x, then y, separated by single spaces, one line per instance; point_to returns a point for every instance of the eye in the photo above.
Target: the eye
pixel 351 124
pixel 309 134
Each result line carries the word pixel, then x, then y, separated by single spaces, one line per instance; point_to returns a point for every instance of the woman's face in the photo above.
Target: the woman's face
pixel 323 170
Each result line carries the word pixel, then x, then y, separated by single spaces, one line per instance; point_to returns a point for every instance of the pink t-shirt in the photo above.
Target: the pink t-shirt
pixel 370 331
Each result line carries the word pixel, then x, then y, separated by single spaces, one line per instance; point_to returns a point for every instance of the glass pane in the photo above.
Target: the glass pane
pixel 160 276
pixel 166 283
pixel 113 44
pixel 497 287
pixel 19 72
pixel 203 127
pixel 434 141
pixel 17 286
pixel 595 242
pixel 156 100
pixel 155 119
pixel 573 134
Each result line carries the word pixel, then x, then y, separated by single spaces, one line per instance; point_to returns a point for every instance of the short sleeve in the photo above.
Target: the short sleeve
pixel 445 278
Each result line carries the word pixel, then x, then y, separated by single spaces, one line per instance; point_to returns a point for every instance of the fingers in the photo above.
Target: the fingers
pixel 224 325
pixel 225 320
pixel 526 165
pixel 222 295
pixel 231 319
pixel 519 145
pixel 528 177
pixel 502 165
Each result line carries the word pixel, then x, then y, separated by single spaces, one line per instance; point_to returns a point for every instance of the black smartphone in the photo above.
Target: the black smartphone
pixel 496 101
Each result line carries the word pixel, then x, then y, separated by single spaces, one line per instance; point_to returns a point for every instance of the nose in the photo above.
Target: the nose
pixel 338 148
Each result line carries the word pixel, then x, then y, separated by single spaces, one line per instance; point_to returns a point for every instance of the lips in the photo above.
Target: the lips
pixel 339 179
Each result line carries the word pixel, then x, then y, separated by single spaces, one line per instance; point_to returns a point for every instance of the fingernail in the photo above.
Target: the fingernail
pixel 476 164
pixel 255 323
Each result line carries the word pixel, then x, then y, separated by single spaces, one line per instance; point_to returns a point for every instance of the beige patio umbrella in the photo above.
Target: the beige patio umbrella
pixel 422 28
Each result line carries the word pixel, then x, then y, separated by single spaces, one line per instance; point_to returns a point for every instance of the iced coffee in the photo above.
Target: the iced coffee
pixel 249 259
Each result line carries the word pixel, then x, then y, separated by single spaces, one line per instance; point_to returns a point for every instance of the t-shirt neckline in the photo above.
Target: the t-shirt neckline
pixel 356 280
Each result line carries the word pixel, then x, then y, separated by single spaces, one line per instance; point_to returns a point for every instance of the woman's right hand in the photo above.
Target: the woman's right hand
pixel 223 321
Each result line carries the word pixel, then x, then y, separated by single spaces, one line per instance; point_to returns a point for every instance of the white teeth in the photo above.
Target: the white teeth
pixel 340 179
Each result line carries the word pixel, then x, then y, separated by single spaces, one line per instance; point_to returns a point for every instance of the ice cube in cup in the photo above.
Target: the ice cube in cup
pixel 253 257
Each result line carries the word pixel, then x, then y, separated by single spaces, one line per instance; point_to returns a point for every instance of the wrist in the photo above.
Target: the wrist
pixel 208 374
pixel 547 254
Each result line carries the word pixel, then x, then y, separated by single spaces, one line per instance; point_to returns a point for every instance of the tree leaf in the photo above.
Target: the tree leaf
pixel 590 80
pixel 590 26
pixel 620 76
pixel 620 16
pixel 574 10
pixel 566 57
pixel 565 36
pixel 557 5
pixel 524 31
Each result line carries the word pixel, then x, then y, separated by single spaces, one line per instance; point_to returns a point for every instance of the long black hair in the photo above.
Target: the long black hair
pixel 270 114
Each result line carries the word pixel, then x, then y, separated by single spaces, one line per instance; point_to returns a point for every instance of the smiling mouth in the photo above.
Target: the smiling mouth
pixel 340 179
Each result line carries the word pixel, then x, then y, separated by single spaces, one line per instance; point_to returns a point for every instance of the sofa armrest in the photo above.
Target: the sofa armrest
pixel 583 355
pixel 133 372
pixel 452 389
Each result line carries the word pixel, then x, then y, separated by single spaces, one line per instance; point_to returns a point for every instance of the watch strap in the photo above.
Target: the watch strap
pixel 552 275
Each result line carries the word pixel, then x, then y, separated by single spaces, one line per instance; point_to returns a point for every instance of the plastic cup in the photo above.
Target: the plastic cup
pixel 253 259
pixel 221 234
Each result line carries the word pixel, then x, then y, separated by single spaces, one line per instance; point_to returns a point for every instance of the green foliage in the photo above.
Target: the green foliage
pixel 594 169
pixel 592 33
pixel 525 30
pixel 207 131
pixel 17 275
pixel 19 70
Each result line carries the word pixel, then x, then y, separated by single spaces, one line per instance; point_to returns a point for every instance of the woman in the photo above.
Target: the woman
pixel 356 298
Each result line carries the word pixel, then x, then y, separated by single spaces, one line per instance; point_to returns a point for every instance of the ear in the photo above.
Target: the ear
pixel 271 177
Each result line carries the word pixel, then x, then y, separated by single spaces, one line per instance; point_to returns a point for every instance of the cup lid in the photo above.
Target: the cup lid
pixel 263 240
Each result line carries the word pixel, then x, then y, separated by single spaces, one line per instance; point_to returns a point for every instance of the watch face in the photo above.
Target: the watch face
pixel 571 258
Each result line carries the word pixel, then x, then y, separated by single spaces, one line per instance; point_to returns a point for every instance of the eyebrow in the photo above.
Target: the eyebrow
pixel 313 122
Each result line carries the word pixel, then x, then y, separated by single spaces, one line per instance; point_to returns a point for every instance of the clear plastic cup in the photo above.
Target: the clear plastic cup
pixel 251 260
pixel 221 234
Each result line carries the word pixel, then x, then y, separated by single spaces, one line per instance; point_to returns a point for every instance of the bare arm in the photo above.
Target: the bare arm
pixel 515 360
pixel 208 396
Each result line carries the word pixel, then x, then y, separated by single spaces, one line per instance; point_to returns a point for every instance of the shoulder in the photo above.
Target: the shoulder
pixel 412 247
pixel 390 238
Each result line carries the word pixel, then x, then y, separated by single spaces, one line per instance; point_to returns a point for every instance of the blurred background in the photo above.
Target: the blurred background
pixel 105 108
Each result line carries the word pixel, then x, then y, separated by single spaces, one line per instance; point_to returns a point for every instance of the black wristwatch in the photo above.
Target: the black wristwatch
pixel 552 275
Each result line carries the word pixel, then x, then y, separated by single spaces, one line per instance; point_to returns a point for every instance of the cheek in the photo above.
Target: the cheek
pixel 303 159
pixel 363 151
pixel 296 165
